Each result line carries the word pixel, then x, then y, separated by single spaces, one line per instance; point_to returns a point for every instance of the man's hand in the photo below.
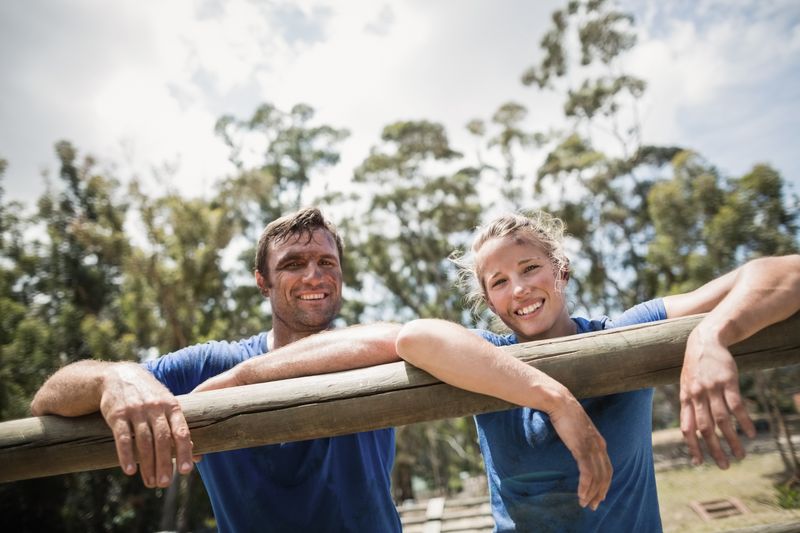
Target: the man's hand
pixel 588 448
pixel 140 411
pixel 709 395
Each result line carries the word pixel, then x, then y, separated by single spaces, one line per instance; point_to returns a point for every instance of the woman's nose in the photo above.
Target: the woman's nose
pixel 519 289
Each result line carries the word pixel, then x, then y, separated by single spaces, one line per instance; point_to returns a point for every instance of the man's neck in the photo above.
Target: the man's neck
pixel 278 337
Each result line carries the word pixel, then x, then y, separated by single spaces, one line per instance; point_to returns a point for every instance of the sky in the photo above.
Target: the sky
pixel 139 84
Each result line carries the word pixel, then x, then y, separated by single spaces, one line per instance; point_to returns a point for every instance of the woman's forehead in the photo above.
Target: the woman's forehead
pixel 517 245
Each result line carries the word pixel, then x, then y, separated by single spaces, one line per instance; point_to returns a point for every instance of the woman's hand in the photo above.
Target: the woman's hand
pixel 588 448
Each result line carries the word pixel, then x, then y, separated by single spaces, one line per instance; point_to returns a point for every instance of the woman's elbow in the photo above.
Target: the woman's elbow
pixel 412 339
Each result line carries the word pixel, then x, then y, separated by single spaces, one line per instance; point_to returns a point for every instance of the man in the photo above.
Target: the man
pixel 331 484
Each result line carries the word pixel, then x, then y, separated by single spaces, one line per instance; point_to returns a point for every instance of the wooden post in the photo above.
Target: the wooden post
pixel 383 396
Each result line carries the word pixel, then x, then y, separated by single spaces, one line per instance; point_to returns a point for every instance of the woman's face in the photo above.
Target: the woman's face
pixel 522 287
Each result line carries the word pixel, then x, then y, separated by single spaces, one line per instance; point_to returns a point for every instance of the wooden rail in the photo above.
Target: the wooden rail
pixel 383 396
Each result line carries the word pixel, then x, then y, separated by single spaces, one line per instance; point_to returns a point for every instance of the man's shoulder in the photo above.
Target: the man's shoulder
pixel 244 348
pixel 184 369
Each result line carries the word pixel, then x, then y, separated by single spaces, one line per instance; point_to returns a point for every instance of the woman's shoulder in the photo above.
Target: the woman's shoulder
pixel 649 311
pixel 496 338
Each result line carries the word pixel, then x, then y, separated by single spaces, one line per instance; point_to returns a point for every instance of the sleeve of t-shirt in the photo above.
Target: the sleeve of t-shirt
pixel 651 311
pixel 183 370
pixel 494 338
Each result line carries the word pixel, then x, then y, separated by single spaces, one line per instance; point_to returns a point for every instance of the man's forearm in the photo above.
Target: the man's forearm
pixel 76 389
pixel 765 291
pixel 325 352
pixel 328 351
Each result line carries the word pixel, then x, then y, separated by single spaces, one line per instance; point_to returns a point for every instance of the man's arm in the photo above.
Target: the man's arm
pixel 139 410
pixel 756 295
pixel 325 352
pixel 135 404
pixel 462 359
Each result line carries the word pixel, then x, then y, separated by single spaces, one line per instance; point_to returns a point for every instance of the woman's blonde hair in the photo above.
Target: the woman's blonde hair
pixel 543 228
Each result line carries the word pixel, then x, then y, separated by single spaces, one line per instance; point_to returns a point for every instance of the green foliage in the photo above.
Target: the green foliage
pixel 788 496
pixel 706 225
pixel 414 219
pixel 294 150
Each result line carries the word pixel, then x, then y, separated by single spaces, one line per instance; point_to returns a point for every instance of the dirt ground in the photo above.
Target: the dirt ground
pixel 751 481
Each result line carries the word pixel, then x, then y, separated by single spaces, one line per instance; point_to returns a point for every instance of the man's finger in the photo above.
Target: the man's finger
pixel 144 447
pixel 182 440
pixel 734 400
pixel 722 419
pixel 162 444
pixel 689 430
pixel 705 424
pixel 123 441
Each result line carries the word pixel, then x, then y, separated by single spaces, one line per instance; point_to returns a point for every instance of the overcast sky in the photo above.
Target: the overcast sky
pixel 141 83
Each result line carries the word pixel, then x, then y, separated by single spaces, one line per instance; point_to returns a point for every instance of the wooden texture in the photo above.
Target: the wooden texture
pixel 382 396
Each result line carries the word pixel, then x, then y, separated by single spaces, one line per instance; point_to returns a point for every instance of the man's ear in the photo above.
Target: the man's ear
pixel 262 283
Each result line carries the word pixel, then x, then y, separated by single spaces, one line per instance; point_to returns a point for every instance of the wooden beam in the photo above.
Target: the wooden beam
pixel 383 396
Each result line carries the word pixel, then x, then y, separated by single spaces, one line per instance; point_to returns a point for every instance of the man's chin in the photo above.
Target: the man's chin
pixel 318 322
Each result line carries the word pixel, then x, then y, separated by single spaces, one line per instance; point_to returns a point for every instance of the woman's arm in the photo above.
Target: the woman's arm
pixel 460 358
pixel 752 297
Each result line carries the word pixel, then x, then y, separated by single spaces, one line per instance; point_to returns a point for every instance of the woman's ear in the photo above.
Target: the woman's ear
pixel 562 278
pixel 563 274
pixel 489 304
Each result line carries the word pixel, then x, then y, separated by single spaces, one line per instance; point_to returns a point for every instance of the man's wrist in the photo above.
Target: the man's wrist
pixel 715 332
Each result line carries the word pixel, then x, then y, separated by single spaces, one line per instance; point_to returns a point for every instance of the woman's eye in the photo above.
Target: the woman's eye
pixel 498 282
pixel 530 268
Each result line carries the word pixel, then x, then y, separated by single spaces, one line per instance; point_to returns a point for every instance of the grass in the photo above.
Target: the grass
pixel 751 480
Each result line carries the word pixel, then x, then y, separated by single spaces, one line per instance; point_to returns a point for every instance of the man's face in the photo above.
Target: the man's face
pixel 304 282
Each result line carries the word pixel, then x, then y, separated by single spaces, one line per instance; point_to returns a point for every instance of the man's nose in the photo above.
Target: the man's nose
pixel 313 272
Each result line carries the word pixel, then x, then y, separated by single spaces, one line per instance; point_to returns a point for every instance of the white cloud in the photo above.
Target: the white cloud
pixel 717 71
pixel 143 82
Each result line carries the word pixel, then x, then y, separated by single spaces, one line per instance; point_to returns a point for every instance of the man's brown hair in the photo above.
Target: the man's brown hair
pixel 303 222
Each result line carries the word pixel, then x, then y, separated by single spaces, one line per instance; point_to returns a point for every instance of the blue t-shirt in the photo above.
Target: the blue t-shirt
pixel 533 478
pixel 332 484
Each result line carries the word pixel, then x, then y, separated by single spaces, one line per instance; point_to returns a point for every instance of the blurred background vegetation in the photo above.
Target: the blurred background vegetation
pixel 104 269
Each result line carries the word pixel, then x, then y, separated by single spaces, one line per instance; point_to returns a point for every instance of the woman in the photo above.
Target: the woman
pixel 546 464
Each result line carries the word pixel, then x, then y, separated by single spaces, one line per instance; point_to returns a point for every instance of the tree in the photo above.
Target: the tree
pixel 294 148
pixel 414 219
pixel 61 290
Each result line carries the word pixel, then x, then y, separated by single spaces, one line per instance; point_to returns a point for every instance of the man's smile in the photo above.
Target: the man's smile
pixel 313 296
